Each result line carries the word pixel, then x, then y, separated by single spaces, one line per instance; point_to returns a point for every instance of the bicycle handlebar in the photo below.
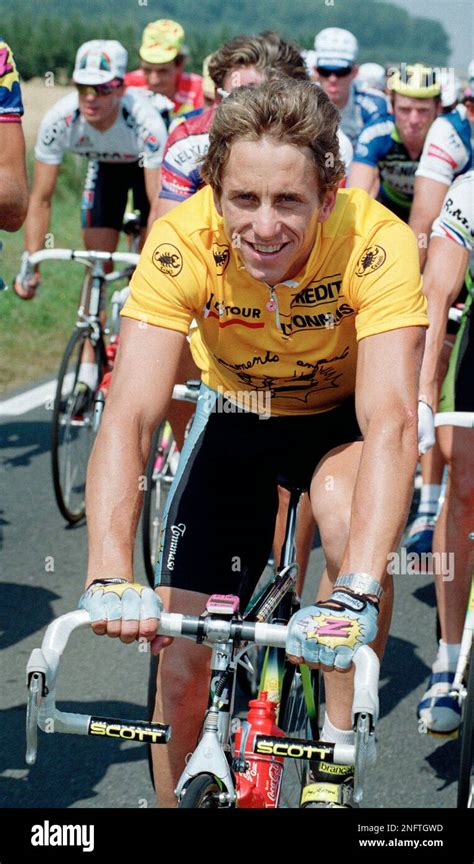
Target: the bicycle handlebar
pixel 43 666
pixel 462 419
pixel 83 256
pixel 188 392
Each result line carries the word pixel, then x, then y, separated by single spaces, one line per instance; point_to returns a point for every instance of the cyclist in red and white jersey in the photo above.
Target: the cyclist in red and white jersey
pixel 241 61
pixel 163 55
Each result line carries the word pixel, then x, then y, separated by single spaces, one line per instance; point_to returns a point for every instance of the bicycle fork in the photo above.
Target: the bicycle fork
pixel 209 756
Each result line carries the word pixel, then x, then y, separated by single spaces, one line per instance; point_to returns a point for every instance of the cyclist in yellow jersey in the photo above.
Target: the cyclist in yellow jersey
pixel 311 325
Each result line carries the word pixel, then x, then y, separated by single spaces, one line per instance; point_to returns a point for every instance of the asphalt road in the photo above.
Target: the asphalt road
pixel 43 566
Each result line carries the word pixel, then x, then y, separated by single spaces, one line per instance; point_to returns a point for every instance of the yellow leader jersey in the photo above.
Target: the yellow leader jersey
pixel 295 343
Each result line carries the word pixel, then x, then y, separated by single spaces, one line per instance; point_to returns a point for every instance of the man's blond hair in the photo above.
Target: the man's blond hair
pixel 287 111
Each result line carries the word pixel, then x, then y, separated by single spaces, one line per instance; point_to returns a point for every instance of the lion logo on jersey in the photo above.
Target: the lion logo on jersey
pixel 370 260
pixel 168 259
pixel 221 257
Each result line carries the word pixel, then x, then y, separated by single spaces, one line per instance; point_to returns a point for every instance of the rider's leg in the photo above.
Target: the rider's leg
pixel 420 535
pixel 453 559
pixel 453 551
pixel 181 695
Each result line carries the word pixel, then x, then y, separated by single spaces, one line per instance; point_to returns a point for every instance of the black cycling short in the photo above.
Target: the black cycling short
pixel 457 392
pixel 219 520
pixel 105 194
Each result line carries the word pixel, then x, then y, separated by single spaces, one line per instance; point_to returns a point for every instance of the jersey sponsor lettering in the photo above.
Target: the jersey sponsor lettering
pixel 315 294
pixel 298 347
pixel 228 315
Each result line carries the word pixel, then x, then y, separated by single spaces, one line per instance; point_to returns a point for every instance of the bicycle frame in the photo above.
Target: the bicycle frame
pixel 212 754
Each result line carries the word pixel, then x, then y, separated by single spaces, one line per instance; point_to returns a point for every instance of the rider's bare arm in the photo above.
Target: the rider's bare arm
pixel 443 278
pixel 427 203
pixel 386 402
pixel 164 206
pixel 364 177
pixel 142 383
pixel 39 209
pixel 13 184
pixel 152 186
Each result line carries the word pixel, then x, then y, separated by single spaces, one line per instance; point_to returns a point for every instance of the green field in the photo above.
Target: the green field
pixel 33 333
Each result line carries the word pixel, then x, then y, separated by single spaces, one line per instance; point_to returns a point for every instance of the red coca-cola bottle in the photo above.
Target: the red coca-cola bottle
pixel 259 784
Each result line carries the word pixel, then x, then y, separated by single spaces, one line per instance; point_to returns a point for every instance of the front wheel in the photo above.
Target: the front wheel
pixel 299 718
pixel 202 793
pixel 72 430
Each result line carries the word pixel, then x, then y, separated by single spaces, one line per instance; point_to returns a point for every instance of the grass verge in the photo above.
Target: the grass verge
pixel 33 333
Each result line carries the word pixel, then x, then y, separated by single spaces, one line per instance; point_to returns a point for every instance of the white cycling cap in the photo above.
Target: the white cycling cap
pixel 100 61
pixel 371 75
pixel 335 48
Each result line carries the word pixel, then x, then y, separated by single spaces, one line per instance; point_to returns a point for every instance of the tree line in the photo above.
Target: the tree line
pixel 45 35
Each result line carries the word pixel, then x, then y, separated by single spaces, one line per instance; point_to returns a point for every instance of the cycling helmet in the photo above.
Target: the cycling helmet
pixel 417 81
pixel 371 75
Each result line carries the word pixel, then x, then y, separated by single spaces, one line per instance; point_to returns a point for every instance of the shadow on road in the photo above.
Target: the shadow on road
pixel 444 761
pixel 68 767
pixel 402 673
pixel 30 438
pixel 24 610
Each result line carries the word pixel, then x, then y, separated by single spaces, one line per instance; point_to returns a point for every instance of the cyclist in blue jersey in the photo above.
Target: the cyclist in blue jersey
pixel 415 141
pixel 13 185
pixel 336 70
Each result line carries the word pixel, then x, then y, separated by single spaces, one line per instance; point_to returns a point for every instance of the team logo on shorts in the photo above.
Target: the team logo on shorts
pixel 221 257
pixel 168 259
pixel 370 260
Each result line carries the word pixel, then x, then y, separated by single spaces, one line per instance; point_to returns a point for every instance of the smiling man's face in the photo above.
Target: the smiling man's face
pixel 271 206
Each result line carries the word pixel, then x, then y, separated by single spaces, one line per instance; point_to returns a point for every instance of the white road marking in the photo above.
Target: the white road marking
pixel 31 399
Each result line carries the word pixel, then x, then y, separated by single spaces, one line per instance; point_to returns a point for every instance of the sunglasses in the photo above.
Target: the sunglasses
pixel 339 73
pixel 98 89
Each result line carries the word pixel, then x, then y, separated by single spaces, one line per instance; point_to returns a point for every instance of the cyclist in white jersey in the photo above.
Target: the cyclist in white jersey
pixel 118 132
pixel 448 257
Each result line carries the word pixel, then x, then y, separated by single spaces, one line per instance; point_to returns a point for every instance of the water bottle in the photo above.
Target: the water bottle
pixel 258 784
